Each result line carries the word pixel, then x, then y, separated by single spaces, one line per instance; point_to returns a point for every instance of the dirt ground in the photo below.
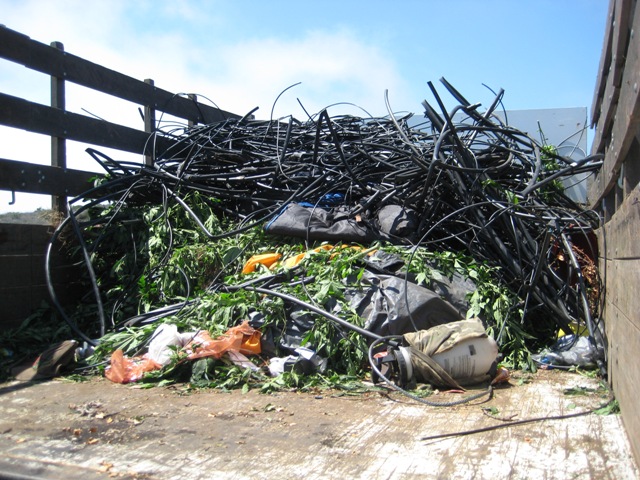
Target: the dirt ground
pixel 97 429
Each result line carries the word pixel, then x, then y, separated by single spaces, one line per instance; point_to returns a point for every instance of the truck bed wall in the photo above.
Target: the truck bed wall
pixel 23 289
pixel 615 193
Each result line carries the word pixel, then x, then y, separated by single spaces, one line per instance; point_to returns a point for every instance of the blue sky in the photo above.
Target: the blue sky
pixel 242 54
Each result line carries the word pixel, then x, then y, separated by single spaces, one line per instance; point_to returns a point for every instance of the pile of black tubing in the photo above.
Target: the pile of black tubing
pixel 473 183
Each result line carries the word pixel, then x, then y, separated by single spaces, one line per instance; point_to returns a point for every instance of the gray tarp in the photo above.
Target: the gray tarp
pixel 393 306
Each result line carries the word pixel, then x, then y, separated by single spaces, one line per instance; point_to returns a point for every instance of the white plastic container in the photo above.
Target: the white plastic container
pixel 469 361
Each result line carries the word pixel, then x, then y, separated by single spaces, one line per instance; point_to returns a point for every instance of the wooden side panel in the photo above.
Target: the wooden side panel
pixel 20 247
pixel 623 347
pixel 23 239
pixel 620 237
pixel 616 193
pixel 23 286
pixel 620 269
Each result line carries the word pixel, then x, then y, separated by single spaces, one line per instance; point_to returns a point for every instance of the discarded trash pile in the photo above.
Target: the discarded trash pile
pixel 336 239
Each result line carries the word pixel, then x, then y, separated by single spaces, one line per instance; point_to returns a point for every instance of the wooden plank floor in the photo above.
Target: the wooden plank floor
pixel 97 429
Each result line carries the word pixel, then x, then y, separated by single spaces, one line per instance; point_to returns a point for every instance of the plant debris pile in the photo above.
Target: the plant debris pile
pixel 464 196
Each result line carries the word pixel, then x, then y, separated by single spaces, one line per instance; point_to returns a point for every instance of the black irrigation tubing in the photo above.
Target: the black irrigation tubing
pixel 476 185
pixel 328 315
pixel 507 425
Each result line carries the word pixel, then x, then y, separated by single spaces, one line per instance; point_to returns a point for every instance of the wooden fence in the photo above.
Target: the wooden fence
pixel 615 193
pixel 22 288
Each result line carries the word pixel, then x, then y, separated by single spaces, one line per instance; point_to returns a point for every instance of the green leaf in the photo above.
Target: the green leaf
pixel 611 408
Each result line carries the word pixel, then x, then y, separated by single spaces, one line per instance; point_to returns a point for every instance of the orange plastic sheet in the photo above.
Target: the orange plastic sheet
pixel 242 338
pixel 125 370
pixel 270 260
pixel 266 259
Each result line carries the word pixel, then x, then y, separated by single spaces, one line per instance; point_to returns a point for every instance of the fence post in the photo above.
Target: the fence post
pixel 58 144
pixel 194 98
pixel 149 124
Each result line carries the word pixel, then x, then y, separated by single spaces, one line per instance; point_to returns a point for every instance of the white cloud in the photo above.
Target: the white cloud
pixel 332 67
